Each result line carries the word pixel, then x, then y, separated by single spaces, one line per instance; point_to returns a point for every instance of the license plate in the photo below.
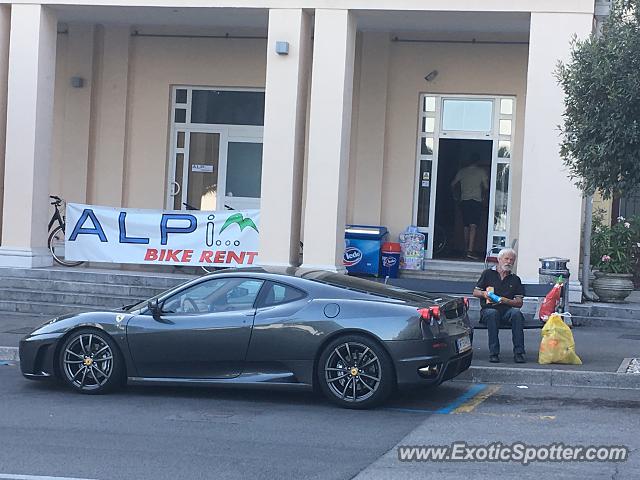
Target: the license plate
pixel 463 344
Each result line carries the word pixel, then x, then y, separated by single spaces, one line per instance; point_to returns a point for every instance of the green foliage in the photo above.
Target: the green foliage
pixel 614 249
pixel 601 131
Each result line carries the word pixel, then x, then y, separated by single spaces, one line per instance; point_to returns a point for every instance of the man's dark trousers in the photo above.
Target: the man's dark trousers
pixel 493 318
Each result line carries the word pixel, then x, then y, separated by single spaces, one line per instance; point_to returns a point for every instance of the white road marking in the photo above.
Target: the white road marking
pixel 12 476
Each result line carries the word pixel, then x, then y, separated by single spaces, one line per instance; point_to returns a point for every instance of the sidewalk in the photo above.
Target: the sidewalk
pixel 604 352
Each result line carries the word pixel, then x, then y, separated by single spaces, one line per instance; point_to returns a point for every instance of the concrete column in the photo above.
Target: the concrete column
pixel 550 211
pixel 73 113
pixel 107 147
pixel 329 139
pixel 284 130
pixel 32 56
pixel 370 133
pixel 5 28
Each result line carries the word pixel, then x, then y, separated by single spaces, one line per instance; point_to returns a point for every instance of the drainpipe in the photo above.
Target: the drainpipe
pixel 601 12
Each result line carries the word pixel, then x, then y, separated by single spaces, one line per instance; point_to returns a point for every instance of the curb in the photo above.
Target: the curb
pixel 9 354
pixel 557 378
pixel 605 322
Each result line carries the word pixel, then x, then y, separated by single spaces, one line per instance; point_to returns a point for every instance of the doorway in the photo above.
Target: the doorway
pixel 216 169
pixel 451 130
pixel 464 169
pixel 216 149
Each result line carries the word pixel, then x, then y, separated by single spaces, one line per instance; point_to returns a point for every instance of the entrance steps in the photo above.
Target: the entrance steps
pixel 57 290
pixel 451 270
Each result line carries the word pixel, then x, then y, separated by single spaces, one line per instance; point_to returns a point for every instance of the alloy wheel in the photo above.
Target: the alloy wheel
pixel 353 372
pixel 88 362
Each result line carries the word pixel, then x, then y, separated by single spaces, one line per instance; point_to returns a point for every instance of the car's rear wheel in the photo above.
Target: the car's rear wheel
pixel 354 371
pixel 90 362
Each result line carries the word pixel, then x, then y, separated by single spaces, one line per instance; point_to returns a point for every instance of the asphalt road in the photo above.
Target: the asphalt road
pixel 188 433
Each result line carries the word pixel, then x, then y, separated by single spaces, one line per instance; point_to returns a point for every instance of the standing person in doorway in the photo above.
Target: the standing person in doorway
pixel 474 184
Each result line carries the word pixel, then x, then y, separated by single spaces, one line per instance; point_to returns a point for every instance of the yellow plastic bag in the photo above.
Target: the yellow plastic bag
pixel 557 345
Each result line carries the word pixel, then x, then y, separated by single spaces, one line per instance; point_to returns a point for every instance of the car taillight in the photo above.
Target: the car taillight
pixel 430 313
pixel 466 302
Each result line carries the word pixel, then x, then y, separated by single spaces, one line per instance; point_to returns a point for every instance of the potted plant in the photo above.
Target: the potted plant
pixel 614 250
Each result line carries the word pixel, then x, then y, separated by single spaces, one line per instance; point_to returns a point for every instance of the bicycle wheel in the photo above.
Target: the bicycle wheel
pixel 56 247
pixel 439 240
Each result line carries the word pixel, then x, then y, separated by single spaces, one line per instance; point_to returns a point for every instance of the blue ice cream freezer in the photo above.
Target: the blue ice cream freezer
pixel 362 248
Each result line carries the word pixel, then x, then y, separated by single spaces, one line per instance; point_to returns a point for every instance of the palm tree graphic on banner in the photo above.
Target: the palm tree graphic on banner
pixel 240 220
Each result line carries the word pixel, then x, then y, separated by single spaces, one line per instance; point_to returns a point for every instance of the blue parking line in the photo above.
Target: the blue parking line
pixel 472 392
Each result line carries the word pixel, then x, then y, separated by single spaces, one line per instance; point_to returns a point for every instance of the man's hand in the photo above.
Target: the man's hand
pixel 494 297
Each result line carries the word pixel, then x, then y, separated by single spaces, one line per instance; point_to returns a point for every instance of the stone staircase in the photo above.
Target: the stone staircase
pixel 608 314
pixel 57 290
pixel 452 270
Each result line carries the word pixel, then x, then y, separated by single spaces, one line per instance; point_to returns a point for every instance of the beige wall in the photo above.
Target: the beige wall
pixel 72 110
pixel 129 108
pixel 551 35
pixel 600 205
pixel 158 63
pixel 497 70
pixel 5 25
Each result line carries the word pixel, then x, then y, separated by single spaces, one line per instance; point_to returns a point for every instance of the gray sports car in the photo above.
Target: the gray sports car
pixel 353 339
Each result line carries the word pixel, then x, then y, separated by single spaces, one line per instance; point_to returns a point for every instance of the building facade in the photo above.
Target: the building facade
pixel 320 113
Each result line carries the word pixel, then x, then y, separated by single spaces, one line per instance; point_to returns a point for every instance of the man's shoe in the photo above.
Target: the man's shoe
pixel 494 358
pixel 519 358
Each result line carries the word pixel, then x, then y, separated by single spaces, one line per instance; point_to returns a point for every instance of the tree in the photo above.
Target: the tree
pixel 601 81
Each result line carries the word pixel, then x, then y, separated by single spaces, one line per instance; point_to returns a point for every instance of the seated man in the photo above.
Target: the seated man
pixel 501 293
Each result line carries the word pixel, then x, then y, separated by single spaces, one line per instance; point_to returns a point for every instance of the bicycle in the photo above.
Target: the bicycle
pixel 56 235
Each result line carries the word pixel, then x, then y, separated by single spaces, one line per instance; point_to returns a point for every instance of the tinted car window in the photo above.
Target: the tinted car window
pixel 218 295
pixel 277 293
pixel 367 286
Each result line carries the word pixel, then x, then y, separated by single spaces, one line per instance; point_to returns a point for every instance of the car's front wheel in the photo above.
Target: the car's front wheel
pixel 90 362
pixel 354 371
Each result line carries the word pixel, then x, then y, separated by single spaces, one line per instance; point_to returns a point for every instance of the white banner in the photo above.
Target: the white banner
pixel 159 237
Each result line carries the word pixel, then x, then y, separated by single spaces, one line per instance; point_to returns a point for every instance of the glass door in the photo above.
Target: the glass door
pixel 215 171
pixel 472 118
pixel 500 198
pixel 201 177
pixel 243 173
pixel 195 176
pixel 216 148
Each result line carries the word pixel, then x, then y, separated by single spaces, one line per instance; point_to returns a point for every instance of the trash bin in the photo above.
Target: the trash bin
pixel 362 248
pixel 390 259
pixel 551 268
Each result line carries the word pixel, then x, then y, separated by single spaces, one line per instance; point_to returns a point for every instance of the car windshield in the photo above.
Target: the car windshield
pixel 143 303
pixel 369 286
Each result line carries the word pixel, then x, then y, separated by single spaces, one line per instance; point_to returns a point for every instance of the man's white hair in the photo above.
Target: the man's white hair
pixel 504 251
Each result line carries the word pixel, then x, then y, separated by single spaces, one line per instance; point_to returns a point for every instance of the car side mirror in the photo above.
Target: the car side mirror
pixel 155 309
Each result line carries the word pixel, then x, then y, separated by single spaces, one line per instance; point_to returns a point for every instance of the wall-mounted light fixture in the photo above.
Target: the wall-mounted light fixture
pixel 282 48
pixel 430 77
pixel 77 82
